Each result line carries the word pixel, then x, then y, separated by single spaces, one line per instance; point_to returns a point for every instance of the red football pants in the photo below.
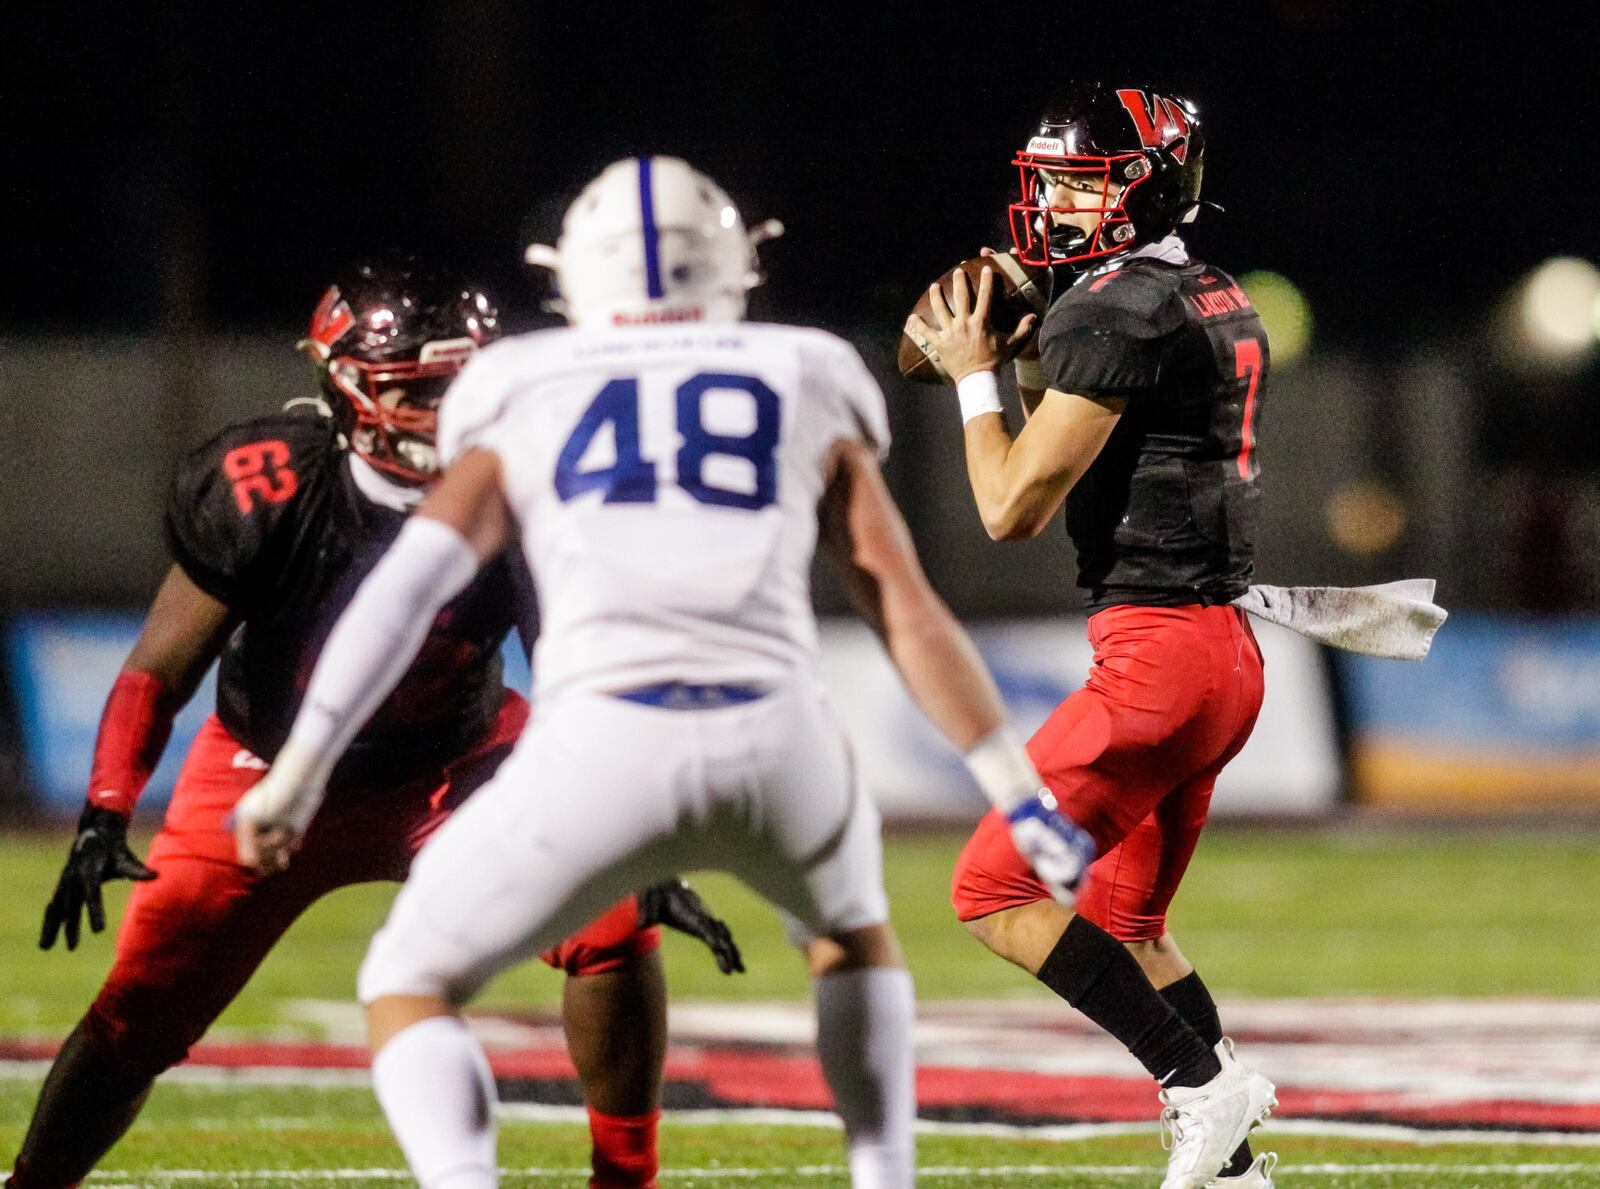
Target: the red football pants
pixel 192 937
pixel 1132 757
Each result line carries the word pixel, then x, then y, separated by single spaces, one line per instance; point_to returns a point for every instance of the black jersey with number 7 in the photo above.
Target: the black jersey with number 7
pixel 1166 515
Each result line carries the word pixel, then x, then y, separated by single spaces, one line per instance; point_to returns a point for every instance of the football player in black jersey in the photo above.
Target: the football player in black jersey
pixel 272 525
pixel 1143 398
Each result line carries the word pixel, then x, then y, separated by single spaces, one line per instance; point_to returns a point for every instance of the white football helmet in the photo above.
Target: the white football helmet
pixel 652 240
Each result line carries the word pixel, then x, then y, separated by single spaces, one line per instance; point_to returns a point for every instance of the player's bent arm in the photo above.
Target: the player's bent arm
pixel 1020 484
pixel 182 634
pixel 863 533
pixel 471 500
pixel 462 522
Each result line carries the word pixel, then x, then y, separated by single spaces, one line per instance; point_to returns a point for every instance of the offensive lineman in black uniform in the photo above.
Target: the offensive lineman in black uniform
pixel 272 525
pixel 1143 396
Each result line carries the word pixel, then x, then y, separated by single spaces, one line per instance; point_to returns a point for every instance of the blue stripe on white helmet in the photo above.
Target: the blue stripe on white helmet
pixel 652 236
pixel 653 240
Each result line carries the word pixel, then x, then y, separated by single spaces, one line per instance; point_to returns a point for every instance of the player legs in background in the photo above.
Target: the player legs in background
pixel 150 1010
pixel 189 941
pixel 614 1011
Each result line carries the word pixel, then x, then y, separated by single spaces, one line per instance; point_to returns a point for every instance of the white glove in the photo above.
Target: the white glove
pixel 1056 847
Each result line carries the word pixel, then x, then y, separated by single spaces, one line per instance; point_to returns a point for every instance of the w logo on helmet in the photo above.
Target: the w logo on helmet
pixel 330 320
pixel 1160 121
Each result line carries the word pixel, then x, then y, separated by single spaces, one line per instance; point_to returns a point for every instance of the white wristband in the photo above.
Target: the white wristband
pixel 979 393
pixel 1030 374
pixel 1000 764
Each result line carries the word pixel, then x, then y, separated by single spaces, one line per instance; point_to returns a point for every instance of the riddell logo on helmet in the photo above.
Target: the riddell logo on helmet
pixel 652 317
pixel 1052 146
pixel 447 351
pixel 1159 122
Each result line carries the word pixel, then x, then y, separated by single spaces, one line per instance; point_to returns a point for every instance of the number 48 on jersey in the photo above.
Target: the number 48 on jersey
pixel 631 478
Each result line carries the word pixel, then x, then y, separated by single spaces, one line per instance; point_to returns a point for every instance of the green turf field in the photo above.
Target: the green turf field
pixel 281 1137
pixel 1330 911
pixel 1326 912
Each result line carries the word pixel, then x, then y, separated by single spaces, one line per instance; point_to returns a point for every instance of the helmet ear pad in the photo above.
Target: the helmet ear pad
pixel 1168 196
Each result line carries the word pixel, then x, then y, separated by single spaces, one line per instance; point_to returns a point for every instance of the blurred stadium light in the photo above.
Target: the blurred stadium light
pixel 1556 313
pixel 1366 516
pixel 1284 311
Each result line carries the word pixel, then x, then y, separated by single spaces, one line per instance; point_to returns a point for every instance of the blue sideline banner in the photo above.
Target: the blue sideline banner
pixel 1505 712
pixel 62 665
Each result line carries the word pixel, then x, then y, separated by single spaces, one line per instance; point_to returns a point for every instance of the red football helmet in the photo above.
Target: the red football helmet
pixel 387 339
pixel 1149 145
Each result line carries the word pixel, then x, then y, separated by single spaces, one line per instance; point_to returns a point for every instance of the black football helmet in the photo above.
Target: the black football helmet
pixel 1148 143
pixel 387 339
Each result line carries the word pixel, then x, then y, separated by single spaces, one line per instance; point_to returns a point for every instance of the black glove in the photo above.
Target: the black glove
pixel 100 852
pixel 676 905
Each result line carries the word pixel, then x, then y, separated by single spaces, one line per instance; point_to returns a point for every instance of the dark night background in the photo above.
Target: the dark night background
pixel 1404 162
pixel 178 187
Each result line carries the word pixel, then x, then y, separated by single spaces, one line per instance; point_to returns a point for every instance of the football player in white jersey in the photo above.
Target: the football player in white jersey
pixel 670 470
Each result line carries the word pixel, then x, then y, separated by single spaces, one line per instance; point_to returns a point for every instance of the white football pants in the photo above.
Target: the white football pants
pixel 602 797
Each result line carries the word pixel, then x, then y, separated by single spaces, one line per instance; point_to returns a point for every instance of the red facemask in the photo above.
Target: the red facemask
pixel 1039 240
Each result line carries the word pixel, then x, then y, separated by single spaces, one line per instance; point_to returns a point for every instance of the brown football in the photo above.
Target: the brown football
pixel 1019 289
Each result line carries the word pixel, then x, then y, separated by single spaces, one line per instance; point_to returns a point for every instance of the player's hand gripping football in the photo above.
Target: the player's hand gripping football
pixel 676 905
pixel 99 852
pixel 962 336
pixel 1057 848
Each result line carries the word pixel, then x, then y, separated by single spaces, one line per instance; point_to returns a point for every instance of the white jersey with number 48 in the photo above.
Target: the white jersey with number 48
pixel 666 480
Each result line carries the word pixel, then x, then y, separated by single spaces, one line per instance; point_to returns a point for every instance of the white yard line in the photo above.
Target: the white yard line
pixel 115 1180
pixel 1071 1132
pixel 520 1112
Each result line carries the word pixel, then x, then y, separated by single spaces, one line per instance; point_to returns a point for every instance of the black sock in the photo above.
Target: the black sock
pixel 1191 1000
pixel 1095 973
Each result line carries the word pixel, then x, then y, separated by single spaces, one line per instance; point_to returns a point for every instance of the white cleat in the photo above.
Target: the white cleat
pixel 1203 1126
pixel 1257 1176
